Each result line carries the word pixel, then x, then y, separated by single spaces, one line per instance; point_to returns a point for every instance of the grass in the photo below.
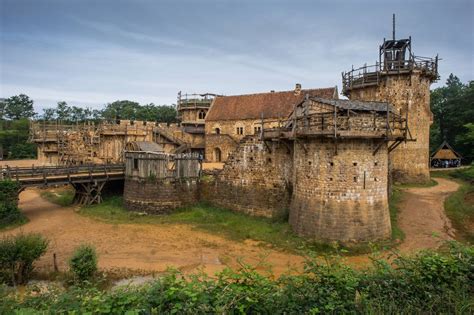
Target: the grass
pixel 431 183
pixel 234 226
pixel 459 206
pixel 61 196
pixel 22 220
pixel 394 206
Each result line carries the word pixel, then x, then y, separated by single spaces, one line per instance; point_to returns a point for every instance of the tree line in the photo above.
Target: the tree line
pixel 16 111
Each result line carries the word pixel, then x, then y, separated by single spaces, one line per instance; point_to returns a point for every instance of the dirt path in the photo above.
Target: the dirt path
pixel 139 247
pixel 422 216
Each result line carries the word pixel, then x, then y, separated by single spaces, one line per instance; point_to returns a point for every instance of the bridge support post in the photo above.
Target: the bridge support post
pixel 88 193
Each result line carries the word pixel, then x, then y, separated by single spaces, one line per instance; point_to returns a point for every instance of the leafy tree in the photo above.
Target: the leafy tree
pixel 19 106
pixel 3 104
pixel 121 110
pixel 49 114
pixel 453 107
pixel 63 111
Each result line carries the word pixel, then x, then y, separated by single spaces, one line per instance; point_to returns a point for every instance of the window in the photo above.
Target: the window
pixel 135 164
pixel 257 129
pixel 202 114
pixel 217 155
pixel 240 130
pixel 217 131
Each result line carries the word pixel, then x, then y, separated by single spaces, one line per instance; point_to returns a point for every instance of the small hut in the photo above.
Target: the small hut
pixel 445 156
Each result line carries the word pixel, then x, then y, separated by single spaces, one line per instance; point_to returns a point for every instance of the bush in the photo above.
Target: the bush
pixel 83 262
pixel 428 283
pixel 17 254
pixel 9 212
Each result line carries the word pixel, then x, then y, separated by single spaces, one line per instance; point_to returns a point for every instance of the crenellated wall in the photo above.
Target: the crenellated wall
pixel 341 196
pixel 406 92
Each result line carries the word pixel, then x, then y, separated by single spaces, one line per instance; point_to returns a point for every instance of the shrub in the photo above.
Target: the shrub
pixel 9 212
pixel 428 283
pixel 83 262
pixel 17 254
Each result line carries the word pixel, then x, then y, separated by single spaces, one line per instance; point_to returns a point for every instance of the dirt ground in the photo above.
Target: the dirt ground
pixel 152 248
pixel 139 247
pixel 422 216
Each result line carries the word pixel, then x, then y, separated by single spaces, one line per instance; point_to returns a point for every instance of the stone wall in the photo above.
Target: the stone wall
pixel 228 132
pixel 406 92
pixel 256 180
pixel 159 196
pixel 340 196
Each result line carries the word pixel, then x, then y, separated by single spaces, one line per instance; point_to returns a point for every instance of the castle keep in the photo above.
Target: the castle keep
pixel 321 162
pixel 404 80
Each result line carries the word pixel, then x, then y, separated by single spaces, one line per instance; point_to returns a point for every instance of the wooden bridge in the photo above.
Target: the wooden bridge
pixel 87 180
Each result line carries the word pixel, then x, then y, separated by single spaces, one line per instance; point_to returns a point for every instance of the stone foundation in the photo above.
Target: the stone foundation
pixel 159 196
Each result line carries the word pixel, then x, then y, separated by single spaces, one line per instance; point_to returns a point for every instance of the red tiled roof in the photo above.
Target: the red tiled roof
pixel 272 104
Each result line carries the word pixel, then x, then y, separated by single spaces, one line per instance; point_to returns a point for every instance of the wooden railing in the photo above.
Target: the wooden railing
pixel 370 74
pixel 46 175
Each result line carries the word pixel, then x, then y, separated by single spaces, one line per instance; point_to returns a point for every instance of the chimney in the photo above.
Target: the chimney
pixel 297 89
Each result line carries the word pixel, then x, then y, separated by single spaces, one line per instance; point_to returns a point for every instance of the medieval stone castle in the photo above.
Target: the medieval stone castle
pixel 324 163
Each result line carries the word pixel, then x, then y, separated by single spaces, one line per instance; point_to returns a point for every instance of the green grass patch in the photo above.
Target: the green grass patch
pixel 394 206
pixel 61 196
pixel 18 222
pixel 459 206
pixel 232 225
pixel 431 183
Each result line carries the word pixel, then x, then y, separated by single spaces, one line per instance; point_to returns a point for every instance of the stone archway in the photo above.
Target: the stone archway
pixel 217 155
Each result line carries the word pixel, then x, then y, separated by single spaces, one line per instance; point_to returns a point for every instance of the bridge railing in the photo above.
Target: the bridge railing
pixel 66 174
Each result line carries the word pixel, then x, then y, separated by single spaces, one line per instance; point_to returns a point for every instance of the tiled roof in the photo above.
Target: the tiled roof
pixel 270 105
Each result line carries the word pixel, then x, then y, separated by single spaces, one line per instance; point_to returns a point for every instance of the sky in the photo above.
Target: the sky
pixel 90 53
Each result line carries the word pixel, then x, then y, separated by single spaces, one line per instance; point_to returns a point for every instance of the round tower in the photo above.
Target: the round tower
pixel 402 79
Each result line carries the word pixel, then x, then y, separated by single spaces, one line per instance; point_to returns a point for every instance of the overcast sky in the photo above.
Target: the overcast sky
pixel 90 53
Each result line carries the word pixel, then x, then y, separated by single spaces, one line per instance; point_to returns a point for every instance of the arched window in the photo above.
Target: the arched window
pixel 217 155
pixel 202 114
pixel 217 131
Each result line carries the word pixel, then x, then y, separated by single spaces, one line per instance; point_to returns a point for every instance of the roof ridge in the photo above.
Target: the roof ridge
pixel 277 92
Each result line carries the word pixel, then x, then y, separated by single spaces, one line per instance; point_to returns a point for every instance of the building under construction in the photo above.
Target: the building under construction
pixel 105 142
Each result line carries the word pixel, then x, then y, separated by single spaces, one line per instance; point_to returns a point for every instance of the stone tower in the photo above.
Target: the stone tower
pixel 402 79
pixel 192 110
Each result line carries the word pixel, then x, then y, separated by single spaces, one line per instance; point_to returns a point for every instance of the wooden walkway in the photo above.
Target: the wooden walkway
pixel 88 180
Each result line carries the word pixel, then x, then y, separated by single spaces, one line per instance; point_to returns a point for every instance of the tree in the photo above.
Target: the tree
pixel 453 108
pixel 63 111
pixel 121 110
pixel 49 114
pixel 19 106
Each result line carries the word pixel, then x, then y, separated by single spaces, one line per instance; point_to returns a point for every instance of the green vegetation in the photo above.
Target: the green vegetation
pixel 431 183
pixel 428 283
pixel 13 140
pixel 17 254
pixel 395 198
pixel 116 110
pixel 62 197
pixel 459 206
pixel 232 225
pixel 453 110
pixel 83 263
pixel 10 215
